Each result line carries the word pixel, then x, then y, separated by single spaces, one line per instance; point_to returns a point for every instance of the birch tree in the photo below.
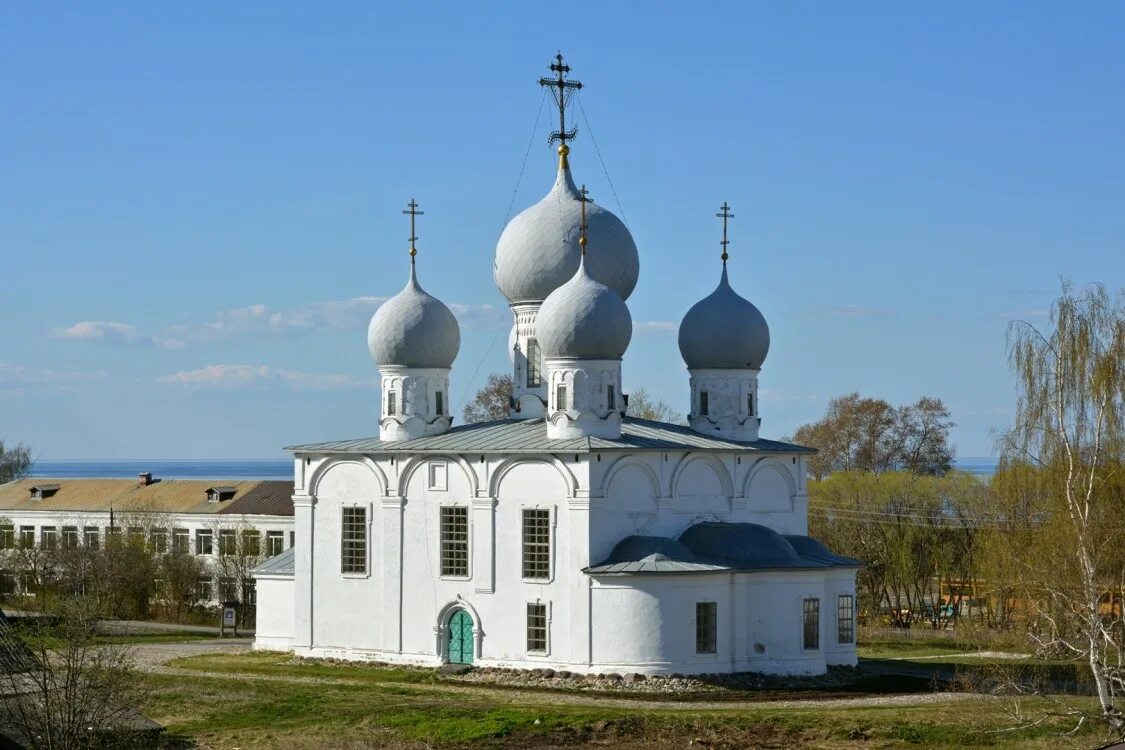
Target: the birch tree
pixel 1068 429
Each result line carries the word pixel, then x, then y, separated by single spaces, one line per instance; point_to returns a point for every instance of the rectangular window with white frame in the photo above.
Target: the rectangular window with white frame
pixel 204 542
pixel 706 627
pixel 537 627
pixel 845 619
pixel 275 542
pixel 7 536
pixel 70 537
pixel 181 542
pixel 353 540
pixel 27 537
pixel 49 537
pixel 810 620
pixel 537 544
pixel 91 537
pixel 560 398
pixel 455 541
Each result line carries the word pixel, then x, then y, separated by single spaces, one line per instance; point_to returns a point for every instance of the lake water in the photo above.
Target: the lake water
pixel 265 468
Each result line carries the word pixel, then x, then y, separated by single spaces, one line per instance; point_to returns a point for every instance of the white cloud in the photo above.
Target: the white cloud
pixel 245 376
pixel 260 320
pixel 115 334
pixel 20 376
pixel 661 326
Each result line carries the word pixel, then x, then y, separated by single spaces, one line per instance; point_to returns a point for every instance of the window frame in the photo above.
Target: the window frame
pixel 561 394
pixel 69 537
pixel 181 541
pixel 810 606
pixel 204 535
pixel 550 545
pixel 49 537
pixel 392 402
pixel 706 628
pixel 27 536
pixel 91 532
pixel 540 611
pixel 228 543
pixel 611 397
pixel 7 536
pixel 439 403
pixel 161 539
pixel 279 538
pixel 348 557
pixel 704 402
pixel 534 364
pixel 845 613
pixel 446 545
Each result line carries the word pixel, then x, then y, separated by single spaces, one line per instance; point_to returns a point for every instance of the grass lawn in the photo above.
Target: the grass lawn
pixel 364 706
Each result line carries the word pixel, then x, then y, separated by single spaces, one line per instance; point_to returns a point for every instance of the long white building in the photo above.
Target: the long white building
pixel 206 518
pixel 568 536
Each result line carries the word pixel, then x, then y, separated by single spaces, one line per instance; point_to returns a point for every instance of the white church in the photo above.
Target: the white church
pixel 568 536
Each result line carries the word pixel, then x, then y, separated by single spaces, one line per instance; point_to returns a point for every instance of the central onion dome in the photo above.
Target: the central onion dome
pixel 414 329
pixel 538 251
pixel 584 319
pixel 723 331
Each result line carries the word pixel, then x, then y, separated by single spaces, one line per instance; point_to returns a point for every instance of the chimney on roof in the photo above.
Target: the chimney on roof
pixel 144 479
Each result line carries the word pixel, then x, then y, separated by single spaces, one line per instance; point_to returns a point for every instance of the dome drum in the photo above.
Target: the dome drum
pixel 584 398
pixel 725 403
pixel 414 402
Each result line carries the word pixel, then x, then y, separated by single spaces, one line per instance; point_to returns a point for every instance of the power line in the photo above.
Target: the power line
pixel 598 151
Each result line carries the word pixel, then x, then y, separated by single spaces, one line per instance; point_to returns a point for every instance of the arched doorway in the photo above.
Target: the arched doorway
pixel 459 644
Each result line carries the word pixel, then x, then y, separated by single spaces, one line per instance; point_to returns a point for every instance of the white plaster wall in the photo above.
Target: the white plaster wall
pixel 274 628
pixel 661 494
pixel 839 582
pixel 346 608
pixel 647 623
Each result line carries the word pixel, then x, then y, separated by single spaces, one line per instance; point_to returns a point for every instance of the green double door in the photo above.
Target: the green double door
pixel 460 638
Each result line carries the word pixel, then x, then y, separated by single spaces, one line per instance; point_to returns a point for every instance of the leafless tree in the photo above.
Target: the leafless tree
pixel 644 406
pixel 78 693
pixel 14 462
pixel 492 402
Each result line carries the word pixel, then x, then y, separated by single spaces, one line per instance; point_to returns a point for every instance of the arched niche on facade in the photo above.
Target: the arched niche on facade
pixel 701 484
pixel 519 465
pixel 445 463
pixel 769 487
pixel 353 477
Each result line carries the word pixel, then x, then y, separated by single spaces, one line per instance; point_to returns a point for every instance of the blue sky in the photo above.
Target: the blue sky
pixel 200 203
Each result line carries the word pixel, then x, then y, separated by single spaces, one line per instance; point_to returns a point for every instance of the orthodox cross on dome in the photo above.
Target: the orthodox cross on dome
pixel 412 209
pixel 725 216
pixel 561 89
pixel 582 227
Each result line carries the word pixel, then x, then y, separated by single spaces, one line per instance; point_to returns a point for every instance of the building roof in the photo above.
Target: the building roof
pixel 530 436
pixel 278 565
pixel 258 498
pixel 713 547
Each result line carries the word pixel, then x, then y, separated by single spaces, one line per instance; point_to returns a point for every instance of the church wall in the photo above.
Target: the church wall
pixel 661 494
pixel 273 630
pixel 839 582
pixel 647 623
pixel 347 608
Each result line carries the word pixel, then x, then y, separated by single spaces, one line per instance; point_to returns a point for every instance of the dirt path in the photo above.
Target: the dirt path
pixel 155 656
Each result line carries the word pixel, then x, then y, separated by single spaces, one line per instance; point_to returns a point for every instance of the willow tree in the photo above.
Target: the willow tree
pixel 1068 429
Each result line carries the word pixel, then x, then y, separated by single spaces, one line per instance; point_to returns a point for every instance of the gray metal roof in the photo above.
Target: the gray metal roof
pixel 530 436
pixel 713 547
pixel 278 565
